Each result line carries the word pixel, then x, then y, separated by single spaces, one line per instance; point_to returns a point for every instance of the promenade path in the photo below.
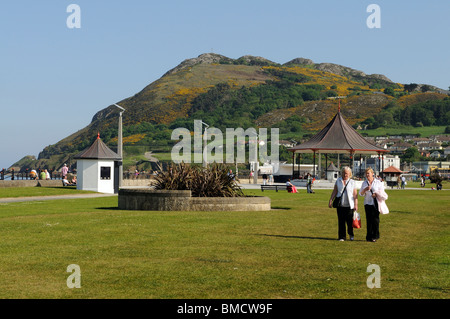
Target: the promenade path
pixel 52 197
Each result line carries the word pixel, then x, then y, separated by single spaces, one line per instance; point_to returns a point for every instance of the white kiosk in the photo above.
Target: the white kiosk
pixel 97 168
pixel 332 173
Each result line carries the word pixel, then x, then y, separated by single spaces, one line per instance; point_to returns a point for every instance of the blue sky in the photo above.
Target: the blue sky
pixel 54 79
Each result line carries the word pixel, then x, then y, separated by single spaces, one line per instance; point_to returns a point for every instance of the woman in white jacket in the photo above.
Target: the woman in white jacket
pixel 348 202
pixel 369 189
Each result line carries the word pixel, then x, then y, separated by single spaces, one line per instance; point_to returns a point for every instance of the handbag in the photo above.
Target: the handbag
pixel 337 200
pixel 356 220
pixel 375 203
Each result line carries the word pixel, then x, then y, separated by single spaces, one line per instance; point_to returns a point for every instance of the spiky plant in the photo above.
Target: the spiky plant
pixel 212 181
pixel 176 177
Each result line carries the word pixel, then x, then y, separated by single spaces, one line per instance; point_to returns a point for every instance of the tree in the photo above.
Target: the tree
pixel 384 118
pixel 411 155
pixel 426 88
pixel 389 91
pixel 410 87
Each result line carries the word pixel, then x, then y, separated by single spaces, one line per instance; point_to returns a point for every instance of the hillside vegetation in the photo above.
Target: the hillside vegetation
pixel 299 97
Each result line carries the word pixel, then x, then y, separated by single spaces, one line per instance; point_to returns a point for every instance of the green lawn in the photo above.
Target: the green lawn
pixel 39 191
pixel 424 131
pixel 289 252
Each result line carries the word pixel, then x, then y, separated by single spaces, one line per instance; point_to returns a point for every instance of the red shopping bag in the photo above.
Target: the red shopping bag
pixel 356 220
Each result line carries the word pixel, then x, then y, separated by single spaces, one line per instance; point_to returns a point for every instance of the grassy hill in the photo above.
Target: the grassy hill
pixel 300 97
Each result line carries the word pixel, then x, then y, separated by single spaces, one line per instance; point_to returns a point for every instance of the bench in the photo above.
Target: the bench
pixel 276 187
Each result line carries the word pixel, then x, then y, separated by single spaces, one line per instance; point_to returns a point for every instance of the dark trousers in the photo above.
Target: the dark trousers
pixel 345 218
pixel 373 222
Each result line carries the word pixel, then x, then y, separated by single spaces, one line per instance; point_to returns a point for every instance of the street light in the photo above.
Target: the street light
pixel 120 145
pixel 256 163
pixel 205 140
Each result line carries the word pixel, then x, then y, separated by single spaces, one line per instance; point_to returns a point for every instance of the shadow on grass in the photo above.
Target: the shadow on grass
pixel 305 237
pixel 108 208
pixel 297 237
pixel 280 208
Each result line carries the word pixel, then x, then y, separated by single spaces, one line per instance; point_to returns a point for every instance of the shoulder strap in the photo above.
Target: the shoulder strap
pixel 345 187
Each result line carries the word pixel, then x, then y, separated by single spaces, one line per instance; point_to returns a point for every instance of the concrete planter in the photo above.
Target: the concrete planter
pixel 168 200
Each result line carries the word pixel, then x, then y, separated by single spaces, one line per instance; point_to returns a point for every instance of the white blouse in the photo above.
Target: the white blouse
pixel 376 185
pixel 348 200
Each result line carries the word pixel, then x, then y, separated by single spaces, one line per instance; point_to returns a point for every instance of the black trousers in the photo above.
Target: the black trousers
pixel 345 218
pixel 373 222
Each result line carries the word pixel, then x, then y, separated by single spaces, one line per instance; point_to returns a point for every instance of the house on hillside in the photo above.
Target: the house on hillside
pixel 435 154
pixel 440 138
pixel 400 147
pixel 286 143
pixel 430 146
pixel 420 140
pixel 447 151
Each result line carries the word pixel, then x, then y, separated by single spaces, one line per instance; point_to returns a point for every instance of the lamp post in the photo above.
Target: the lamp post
pixel 256 163
pixel 205 141
pixel 120 145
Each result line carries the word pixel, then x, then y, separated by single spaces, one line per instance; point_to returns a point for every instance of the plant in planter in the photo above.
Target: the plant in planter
pixel 212 181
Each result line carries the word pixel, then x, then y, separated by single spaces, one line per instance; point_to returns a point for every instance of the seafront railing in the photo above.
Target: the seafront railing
pixel 26 174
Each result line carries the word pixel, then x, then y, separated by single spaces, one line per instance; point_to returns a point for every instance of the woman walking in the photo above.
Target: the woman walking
pixel 345 189
pixel 369 188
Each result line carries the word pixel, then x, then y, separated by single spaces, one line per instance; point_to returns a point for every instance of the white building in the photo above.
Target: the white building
pixel 377 163
pixel 97 168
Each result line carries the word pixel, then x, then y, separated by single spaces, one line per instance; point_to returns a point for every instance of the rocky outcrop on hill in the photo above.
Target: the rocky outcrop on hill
pixel 207 58
pixel 339 70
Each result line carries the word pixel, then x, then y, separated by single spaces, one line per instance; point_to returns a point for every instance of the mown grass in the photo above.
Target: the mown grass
pixel 424 131
pixel 288 252
pixel 7 192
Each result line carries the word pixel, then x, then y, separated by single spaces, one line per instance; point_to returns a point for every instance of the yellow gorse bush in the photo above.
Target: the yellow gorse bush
pixel 326 79
pixel 130 139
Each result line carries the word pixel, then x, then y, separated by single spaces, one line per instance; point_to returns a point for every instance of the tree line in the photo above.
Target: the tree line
pixel 427 113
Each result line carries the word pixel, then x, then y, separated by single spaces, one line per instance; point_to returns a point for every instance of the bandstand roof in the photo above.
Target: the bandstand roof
pixel 338 137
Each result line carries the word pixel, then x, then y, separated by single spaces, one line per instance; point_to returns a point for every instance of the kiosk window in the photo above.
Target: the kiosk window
pixel 105 172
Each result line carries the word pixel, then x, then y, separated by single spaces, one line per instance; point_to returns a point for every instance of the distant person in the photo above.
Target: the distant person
pixel 230 174
pixel 33 174
pixel 64 170
pixel 345 189
pixel 264 179
pixel 47 174
pixel 309 182
pixel 290 187
pixel 66 182
pixel 439 185
pixel 270 179
pixel 422 181
pixel 42 175
pixel 403 182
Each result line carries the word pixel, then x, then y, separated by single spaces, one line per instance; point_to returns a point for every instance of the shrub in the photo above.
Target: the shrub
pixel 212 181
